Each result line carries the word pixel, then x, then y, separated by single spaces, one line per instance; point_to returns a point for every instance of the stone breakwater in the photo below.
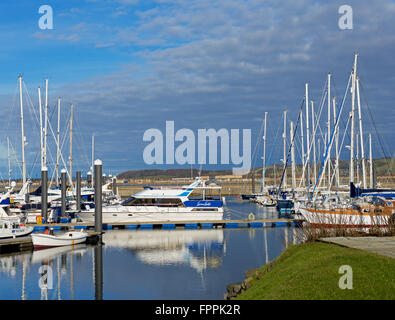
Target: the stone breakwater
pixel 234 289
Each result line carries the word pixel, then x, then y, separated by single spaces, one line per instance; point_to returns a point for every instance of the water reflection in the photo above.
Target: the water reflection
pixel 199 249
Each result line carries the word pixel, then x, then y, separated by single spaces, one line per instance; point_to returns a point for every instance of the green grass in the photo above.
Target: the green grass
pixel 311 271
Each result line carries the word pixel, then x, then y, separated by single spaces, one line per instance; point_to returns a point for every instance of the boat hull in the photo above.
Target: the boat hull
pixel 346 218
pixel 16 233
pixel 68 239
pixel 147 214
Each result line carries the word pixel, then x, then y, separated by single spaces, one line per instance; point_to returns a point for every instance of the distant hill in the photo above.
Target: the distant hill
pixel 170 173
pixel 383 166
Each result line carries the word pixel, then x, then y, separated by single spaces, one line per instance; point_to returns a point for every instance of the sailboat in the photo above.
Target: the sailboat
pixel 371 210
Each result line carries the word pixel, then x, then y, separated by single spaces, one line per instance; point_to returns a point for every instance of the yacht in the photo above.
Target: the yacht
pixel 12 229
pixel 364 212
pixel 163 204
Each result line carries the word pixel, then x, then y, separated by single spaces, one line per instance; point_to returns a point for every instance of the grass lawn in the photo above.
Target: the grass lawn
pixel 311 271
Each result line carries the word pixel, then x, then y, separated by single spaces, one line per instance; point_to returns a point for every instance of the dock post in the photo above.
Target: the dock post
pixel 98 196
pixel 114 185
pixel 78 191
pixel 44 193
pixel 89 179
pixel 63 193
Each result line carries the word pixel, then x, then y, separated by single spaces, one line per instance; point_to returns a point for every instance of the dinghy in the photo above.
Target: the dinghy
pixel 71 238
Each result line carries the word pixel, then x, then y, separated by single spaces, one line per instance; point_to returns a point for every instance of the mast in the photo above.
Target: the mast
pixel 58 145
pixel 329 128
pixel 357 157
pixel 22 132
pixel 41 126
pixel 93 151
pixel 314 131
pixel 9 161
pixel 285 148
pixel 361 137
pixel 354 73
pixel 264 153
pixel 336 143
pixel 307 136
pixel 292 133
pixel 371 160
pixel 71 143
pixel 45 123
pixel 302 181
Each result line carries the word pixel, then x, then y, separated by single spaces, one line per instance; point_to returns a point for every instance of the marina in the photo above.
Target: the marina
pixel 207 259
pixel 226 150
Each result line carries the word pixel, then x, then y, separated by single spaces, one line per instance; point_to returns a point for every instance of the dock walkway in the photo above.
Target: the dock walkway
pixel 381 245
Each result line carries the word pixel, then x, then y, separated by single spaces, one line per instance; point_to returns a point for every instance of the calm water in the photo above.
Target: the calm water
pixel 147 264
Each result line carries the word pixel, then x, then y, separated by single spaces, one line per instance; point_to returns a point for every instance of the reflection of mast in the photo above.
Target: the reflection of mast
pixel 58 261
pixel 71 277
pixel 23 279
pixel 265 237
pixel 286 237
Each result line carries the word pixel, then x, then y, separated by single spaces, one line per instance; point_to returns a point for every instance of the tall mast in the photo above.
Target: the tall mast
pixel 93 151
pixel 22 132
pixel 361 137
pixel 9 161
pixel 314 134
pixel 285 148
pixel 302 181
pixel 71 143
pixel 58 145
pixel 292 134
pixel 336 143
pixel 307 136
pixel 329 127
pixel 264 152
pixel 45 122
pixel 354 74
pixel 357 156
pixel 371 160
pixel 41 126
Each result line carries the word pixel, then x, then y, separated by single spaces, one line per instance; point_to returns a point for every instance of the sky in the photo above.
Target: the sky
pixel 128 66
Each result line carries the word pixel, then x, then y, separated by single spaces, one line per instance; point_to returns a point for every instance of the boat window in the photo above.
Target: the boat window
pixel 140 202
pixel 170 202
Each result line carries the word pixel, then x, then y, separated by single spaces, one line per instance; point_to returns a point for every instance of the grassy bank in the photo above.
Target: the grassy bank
pixel 311 271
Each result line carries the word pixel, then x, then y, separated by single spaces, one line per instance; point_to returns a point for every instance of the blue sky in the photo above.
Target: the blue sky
pixel 130 65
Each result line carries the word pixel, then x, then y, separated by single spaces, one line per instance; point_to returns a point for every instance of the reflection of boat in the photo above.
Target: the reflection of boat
pixel 52 253
pixel 200 249
pixel 12 229
pixel 42 240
